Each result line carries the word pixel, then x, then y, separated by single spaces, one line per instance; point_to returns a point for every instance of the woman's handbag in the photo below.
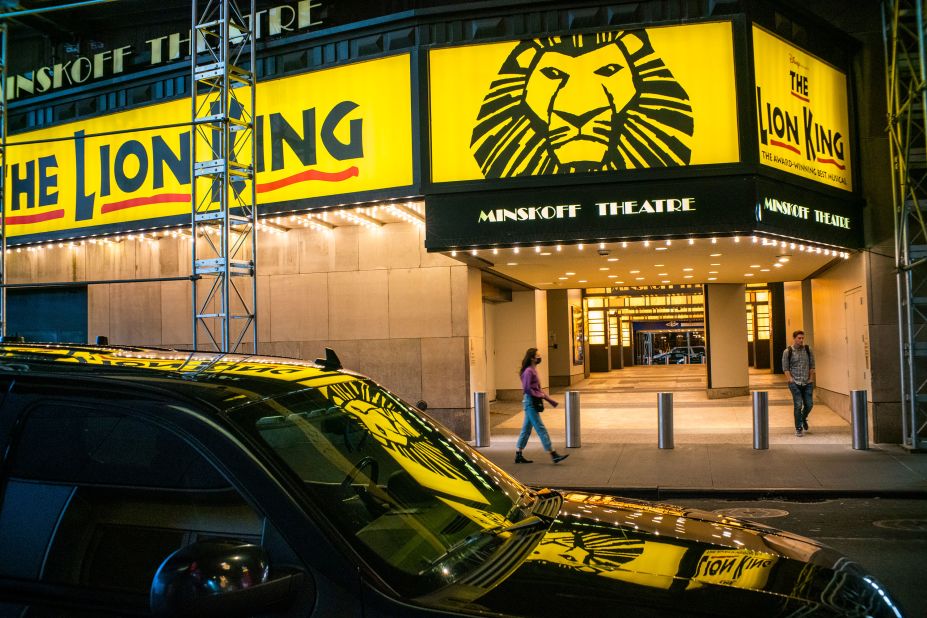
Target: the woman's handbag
pixel 538 404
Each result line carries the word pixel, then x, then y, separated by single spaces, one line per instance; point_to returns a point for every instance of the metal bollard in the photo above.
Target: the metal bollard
pixel 665 420
pixel 572 420
pixel 860 416
pixel 480 419
pixel 760 420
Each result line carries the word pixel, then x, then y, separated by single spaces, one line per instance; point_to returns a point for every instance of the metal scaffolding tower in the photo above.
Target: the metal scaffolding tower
pixel 906 75
pixel 3 126
pixel 223 192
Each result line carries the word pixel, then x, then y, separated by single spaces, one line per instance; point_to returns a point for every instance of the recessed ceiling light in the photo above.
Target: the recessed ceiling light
pixel 537 249
pixel 604 268
pixel 559 248
pixel 601 245
pixel 783 258
pixel 658 265
pixel 619 282
pixel 663 274
pixel 712 278
pixel 687 277
pixel 514 249
pixel 582 281
pixel 646 243
pixel 612 259
pixel 715 255
pixel 748 274
pixel 687 270
pixel 764 270
pixel 777 265
pixel 754 265
pixel 563 278
pixel 638 278
pixel 714 264
pixel 712 272
pixel 580 246
pixel 634 272
pixel 665 281
pixel 545 253
pixel 660 248
pixel 512 264
pixel 495 252
pixel 613 276
pixel 569 273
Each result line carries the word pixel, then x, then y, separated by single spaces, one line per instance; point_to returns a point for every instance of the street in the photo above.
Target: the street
pixel 887 537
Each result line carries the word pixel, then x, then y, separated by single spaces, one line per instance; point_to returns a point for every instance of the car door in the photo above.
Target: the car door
pixel 96 494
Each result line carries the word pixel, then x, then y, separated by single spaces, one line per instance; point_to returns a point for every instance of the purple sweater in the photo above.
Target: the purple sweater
pixel 531 384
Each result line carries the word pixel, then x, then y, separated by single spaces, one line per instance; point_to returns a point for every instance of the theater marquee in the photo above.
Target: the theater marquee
pixel 600 102
pixel 328 133
pixel 801 112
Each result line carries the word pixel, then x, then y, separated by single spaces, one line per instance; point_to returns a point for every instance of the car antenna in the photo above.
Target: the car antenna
pixel 331 360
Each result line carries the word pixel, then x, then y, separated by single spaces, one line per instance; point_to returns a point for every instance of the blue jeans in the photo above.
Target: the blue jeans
pixel 532 419
pixel 802 399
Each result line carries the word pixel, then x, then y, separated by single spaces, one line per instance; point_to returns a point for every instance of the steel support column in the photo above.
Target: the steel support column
pixel 906 74
pixel 223 153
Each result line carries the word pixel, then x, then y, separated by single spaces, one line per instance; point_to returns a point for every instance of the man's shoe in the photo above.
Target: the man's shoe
pixel 519 458
pixel 804 425
pixel 556 457
pixel 798 432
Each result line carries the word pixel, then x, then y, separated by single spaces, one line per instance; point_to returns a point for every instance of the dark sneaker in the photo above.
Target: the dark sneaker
pixel 519 458
pixel 798 432
pixel 804 425
pixel 557 457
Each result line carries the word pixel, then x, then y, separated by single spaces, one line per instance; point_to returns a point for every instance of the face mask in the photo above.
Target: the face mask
pixel 537 361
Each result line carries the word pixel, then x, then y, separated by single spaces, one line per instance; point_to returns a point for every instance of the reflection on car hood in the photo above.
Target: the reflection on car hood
pixel 605 554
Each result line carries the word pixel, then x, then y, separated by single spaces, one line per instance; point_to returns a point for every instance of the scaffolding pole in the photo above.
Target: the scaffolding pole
pixel 223 192
pixel 3 129
pixel 906 75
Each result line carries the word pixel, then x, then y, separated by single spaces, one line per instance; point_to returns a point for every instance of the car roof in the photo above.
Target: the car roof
pixel 193 372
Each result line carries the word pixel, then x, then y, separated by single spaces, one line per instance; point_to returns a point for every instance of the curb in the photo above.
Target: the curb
pixel 755 493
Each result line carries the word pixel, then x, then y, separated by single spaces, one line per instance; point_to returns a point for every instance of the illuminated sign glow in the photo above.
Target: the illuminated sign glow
pixel 801 112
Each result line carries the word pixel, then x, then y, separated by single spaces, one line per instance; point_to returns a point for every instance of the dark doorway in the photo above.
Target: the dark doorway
pixel 44 314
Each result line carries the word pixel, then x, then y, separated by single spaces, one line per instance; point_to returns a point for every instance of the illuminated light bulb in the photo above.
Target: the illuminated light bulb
pixel 669 242
pixel 646 243
pixel 559 248
pixel 791 245
pixel 453 254
pixel 691 241
pixel 495 251
pixel 714 241
pixel 580 246
pixel 601 245
pixel 515 249
pixel 737 239
pixel 755 239
pixel 473 252
pixel 537 248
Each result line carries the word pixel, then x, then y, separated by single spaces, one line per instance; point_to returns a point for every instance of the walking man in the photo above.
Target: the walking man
pixel 798 365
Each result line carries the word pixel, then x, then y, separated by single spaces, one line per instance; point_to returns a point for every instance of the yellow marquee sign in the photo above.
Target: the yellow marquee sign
pixel 619 100
pixel 332 132
pixel 802 112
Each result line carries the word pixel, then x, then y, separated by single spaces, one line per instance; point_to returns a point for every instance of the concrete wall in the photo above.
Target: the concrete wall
pixel 390 310
pixel 726 332
pixel 519 325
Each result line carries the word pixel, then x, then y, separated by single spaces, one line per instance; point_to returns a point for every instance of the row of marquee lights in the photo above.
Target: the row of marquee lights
pixel 369 217
pixel 662 245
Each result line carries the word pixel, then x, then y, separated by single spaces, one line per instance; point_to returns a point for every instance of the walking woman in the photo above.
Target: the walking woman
pixel 533 403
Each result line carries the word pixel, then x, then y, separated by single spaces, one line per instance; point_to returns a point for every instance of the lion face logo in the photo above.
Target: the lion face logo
pixel 590 102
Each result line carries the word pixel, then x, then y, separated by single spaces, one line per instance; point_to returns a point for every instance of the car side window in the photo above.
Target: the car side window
pixel 98 498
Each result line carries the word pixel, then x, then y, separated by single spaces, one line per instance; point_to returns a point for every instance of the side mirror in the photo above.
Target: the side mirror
pixel 220 577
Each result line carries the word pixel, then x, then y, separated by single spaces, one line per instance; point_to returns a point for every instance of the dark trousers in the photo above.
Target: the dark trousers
pixel 802 396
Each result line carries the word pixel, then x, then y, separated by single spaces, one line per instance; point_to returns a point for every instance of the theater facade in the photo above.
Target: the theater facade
pixel 441 186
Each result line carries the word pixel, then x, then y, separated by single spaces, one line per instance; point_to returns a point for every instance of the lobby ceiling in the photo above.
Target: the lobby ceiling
pixel 724 260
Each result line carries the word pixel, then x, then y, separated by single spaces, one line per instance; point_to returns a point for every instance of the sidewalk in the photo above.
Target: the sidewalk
pixel 713 444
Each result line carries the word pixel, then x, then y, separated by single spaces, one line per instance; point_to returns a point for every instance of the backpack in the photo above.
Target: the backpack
pixel 789 368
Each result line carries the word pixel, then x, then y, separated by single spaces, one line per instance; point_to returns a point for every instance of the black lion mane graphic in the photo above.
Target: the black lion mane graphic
pixel 591 102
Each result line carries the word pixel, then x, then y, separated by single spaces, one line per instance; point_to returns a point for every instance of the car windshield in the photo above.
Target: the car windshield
pixel 414 499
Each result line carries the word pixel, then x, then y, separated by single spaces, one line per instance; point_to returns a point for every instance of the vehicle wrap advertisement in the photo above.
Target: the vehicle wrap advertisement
pixel 600 102
pixel 326 133
pixel 801 113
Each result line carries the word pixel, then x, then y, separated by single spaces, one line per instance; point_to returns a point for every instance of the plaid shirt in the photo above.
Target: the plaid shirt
pixel 801 365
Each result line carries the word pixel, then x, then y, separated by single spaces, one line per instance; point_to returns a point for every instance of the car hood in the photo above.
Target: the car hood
pixel 606 554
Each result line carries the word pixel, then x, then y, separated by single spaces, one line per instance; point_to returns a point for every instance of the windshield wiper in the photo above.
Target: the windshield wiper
pixel 487 533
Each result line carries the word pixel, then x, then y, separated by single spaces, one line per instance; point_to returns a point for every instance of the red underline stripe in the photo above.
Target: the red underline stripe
pixel 144 201
pixel 798 96
pixel 308 175
pixel 36 218
pixel 832 162
pixel 784 145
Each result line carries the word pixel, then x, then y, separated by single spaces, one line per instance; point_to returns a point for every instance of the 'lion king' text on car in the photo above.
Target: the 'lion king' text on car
pixel 142 482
